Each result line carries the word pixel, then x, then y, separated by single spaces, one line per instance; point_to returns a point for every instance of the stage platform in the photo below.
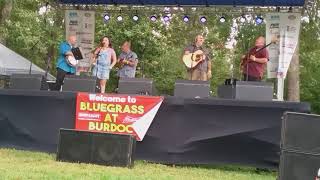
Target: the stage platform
pixel 185 131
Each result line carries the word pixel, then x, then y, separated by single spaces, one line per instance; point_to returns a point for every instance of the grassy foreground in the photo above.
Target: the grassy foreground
pixel 15 164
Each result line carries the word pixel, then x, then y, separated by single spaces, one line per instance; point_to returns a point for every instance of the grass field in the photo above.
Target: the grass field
pixel 22 165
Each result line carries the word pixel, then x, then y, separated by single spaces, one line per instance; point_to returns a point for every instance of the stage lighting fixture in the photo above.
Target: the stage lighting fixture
pixel 222 19
pixel 135 18
pixel 243 18
pixel 259 20
pixel 119 18
pixel 106 17
pixel 203 19
pixel 153 18
pixel 186 19
pixel 166 18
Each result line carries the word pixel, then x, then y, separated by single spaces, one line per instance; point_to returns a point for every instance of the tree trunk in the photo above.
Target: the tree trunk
pixel 5 14
pixel 293 78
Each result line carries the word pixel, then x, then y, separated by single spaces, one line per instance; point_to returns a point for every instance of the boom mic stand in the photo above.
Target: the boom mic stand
pixel 31 49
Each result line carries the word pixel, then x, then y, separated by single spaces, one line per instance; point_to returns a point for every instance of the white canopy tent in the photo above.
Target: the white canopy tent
pixel 13 63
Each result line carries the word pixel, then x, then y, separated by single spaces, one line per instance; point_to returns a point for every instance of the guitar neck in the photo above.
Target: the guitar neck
pixel 263 47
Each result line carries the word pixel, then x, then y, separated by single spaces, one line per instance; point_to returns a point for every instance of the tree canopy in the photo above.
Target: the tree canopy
pixel 159 45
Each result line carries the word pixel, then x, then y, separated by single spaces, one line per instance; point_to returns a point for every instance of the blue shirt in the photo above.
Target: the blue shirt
pixel 61 63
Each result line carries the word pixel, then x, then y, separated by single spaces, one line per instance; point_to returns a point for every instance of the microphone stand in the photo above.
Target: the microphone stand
pixel 31 49
pixel 48 66
pixel 49 55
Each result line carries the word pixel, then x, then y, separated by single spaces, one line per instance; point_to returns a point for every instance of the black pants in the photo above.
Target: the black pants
pixel 250 78
pixel 60 78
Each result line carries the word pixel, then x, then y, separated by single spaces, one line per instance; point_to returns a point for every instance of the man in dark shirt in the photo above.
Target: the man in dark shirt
pixel 201 72
pixel 253 64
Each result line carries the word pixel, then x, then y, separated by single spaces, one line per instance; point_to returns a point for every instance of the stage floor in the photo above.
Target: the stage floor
pixel 184 131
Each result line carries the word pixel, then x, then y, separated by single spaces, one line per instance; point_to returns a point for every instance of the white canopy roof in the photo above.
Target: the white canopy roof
pixel 13 63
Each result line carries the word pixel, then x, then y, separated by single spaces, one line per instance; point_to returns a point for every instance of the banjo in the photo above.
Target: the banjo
pixel 74 59
pixel 71 61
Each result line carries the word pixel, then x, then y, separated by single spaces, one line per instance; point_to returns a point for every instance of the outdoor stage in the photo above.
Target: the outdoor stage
pixel 184 131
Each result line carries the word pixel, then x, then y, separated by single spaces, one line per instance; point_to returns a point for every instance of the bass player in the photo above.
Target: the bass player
pixel 253 64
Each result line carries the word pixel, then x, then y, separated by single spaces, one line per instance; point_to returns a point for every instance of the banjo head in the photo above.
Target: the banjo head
pixel 72 61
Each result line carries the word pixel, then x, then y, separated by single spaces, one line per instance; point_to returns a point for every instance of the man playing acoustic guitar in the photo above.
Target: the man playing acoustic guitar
pixel 127 61
pixel 197 61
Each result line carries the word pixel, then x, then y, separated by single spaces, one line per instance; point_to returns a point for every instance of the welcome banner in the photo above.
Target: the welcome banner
pixel 119 114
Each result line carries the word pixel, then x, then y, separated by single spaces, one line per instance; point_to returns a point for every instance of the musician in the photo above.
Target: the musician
pixel 253 64
pixel 63 68
pixel 128 61
pixel 104 58
pixel 203 70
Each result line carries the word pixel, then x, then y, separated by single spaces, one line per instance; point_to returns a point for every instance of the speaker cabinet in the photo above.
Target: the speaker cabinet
pixel 136 86
pixel 298 166
pixel 26 81
pixel 300 146
pixel 191 89
pixel 79 83
pixel 301 132
pixel 247 90
pixel 96 148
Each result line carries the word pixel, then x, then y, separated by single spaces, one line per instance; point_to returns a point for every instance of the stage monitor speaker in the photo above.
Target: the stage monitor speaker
pixel 140 86
pixel 247 90
pixel 192 89
pixel 79 83
pixel 26 81
pixel 97 148
pixel 301 132
pixel 298 166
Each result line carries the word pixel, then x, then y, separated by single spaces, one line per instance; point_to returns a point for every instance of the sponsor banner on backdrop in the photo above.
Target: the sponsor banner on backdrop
pixel 289 37
pixel 273 30
pixel 82 24
pixel 287 27
pixel 119 114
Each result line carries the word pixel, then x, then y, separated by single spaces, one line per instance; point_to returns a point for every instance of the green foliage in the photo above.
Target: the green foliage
pixel 158 45
pixel 26 29
pixel 309 58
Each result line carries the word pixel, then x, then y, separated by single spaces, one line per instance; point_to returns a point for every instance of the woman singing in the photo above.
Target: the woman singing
pixel 105 58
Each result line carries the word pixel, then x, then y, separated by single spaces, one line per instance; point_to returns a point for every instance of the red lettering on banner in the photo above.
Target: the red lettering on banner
pixel 119 114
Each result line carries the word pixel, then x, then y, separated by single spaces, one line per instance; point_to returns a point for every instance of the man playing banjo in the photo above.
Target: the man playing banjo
pixel 64 66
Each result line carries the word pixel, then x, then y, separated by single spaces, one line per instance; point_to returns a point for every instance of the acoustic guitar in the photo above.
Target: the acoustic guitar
pixel 192 60
pixel 123 61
